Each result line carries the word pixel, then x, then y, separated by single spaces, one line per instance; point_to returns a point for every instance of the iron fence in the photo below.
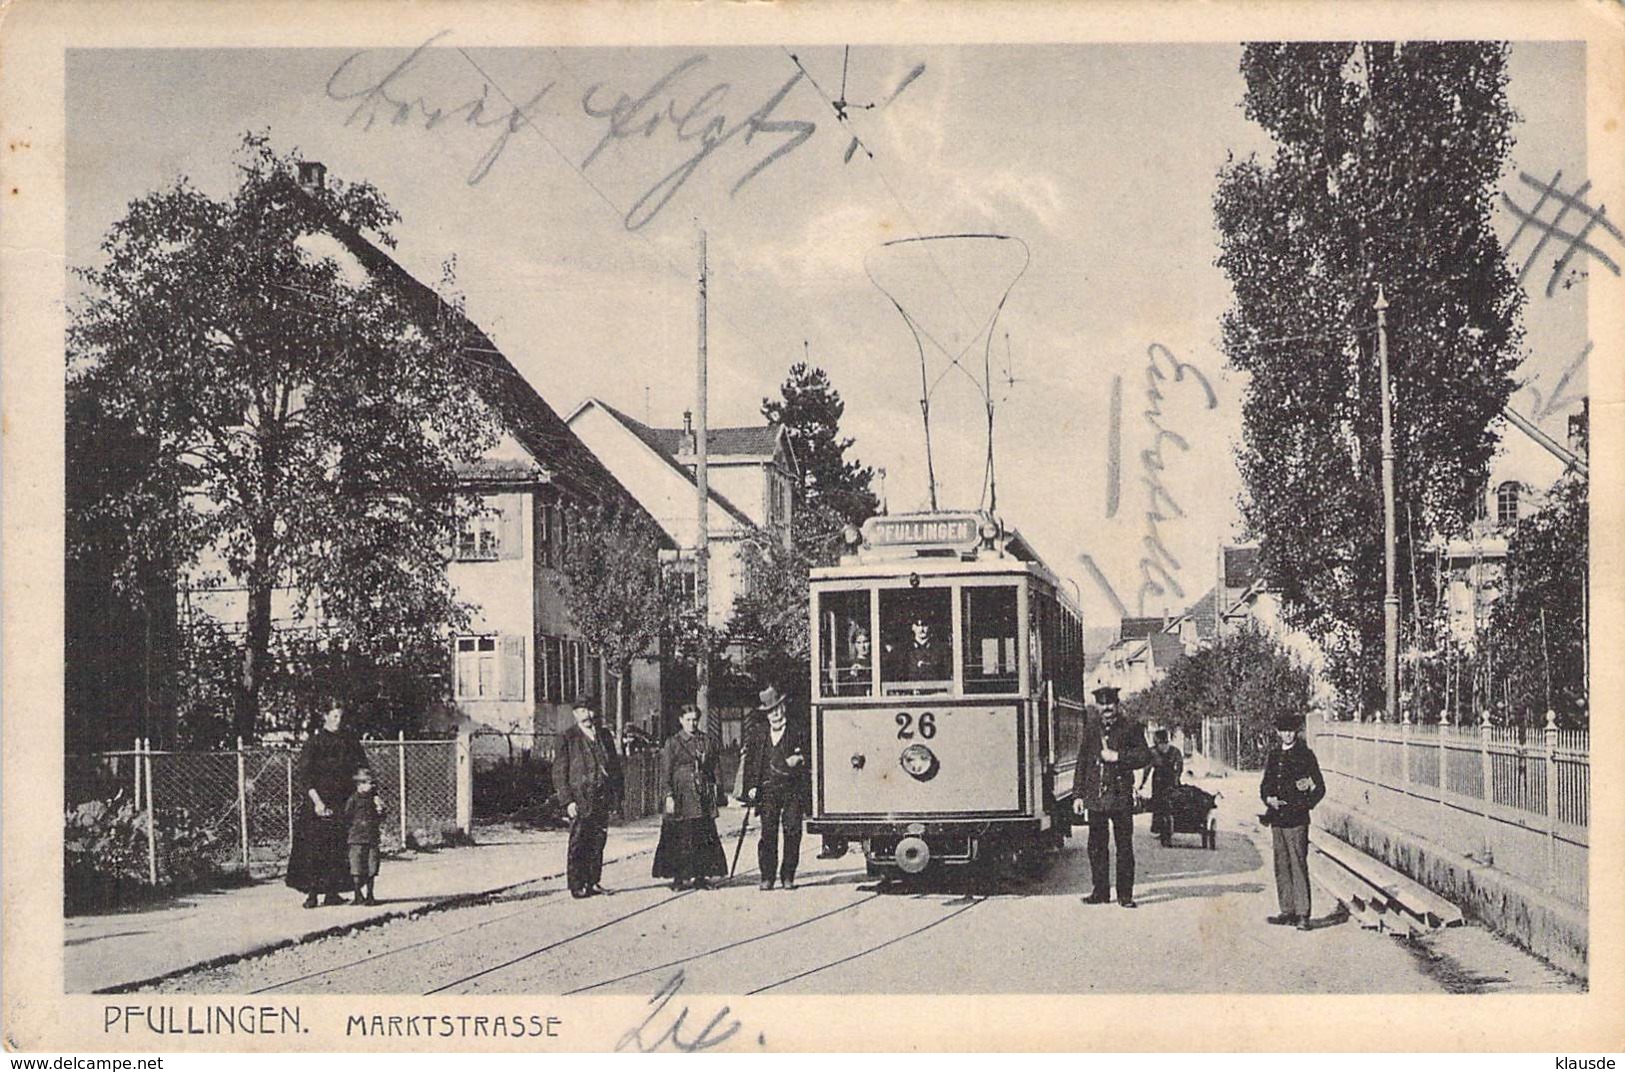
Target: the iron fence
pixel 1511 798
pixel 234 811
pixel 1229 742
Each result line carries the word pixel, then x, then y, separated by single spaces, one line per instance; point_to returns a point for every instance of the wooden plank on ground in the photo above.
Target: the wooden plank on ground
pixel 1402 891
pixel 1343 885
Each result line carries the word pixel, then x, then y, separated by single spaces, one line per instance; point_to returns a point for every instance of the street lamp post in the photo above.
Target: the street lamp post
pixel 1390 598
pixel 702 505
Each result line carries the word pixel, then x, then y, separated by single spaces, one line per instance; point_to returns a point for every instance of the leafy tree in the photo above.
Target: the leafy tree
pixel 119 615
pixel 1536 640
pixel 810 409
pixel 1246 676
pixel 1386 161
pixel 306 424
pixel 616 590
pixel 768 632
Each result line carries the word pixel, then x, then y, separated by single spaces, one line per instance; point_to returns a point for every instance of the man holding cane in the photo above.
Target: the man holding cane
pixel 778 784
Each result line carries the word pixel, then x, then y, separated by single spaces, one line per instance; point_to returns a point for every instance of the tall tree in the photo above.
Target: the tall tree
pixel 1536 644
pixel 1247 676
pixel 810 409
pixel 1386 161
pixel 311 418
pixel 617 592
pixel 767 635
pixel 119 612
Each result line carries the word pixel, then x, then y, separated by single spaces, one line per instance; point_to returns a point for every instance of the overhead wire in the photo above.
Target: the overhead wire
pixel 880 172
pixel 620 214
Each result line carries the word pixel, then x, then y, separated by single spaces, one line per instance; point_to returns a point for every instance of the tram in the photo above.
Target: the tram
pixel 947 695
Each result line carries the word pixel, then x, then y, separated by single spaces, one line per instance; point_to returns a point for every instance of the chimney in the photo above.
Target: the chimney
pixel 312 175
pixel 1578 434
pixel 690 446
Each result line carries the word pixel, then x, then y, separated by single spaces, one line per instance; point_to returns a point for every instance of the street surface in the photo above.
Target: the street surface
pixel 1199 928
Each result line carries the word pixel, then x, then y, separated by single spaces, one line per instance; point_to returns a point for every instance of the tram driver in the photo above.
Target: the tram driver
pixel 923 658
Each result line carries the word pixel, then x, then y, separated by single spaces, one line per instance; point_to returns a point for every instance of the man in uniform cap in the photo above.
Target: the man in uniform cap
pixel 1292 785
pixel 1113 748
pixel 587 773
pixel 777 782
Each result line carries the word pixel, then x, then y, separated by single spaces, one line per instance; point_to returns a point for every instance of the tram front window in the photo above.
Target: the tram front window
pixel 916 629
pixel 847 649
pixel 991 645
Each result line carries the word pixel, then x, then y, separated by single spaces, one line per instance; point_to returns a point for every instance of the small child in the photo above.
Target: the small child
pixel 363 813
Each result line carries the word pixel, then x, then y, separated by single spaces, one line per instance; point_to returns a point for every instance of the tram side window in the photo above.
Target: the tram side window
pixel 845 646
pixel 916 630
pixel 991 648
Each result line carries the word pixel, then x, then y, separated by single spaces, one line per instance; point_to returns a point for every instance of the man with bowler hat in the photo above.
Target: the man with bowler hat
pixel 777 782
pixel 1113 748
pixel 587 772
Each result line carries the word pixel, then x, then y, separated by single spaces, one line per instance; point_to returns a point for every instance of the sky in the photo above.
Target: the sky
pixel 575 231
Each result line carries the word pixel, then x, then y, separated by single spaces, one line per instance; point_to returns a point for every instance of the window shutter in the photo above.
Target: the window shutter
pixel 468 670
pixel 510 527
pixel 555 670
pixel 513 668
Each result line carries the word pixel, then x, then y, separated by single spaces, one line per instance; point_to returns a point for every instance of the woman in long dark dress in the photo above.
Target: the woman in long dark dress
pixel 690 852
pixel 318 862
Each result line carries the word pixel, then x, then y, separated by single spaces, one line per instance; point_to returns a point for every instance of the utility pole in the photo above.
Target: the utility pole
pixel 1390 598
pixel 702 551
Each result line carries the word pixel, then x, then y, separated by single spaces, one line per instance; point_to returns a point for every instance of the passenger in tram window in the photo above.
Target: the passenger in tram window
pixel 852 677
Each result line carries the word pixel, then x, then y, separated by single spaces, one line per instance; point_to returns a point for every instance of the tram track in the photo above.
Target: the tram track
pixel 728 946
pixel 868 950
pixel 553 898
pixel 610 924
pixel 548 947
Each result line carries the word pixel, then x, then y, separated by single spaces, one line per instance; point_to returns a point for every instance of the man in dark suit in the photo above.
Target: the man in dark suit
pixel 927 657
pixel 777 782
pixel 587 772
pixel 1113 748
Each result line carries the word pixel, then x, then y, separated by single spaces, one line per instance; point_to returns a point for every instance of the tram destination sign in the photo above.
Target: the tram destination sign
pixel 923 530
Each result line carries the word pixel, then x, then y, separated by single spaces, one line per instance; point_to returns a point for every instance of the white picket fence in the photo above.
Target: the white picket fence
pixel 1516 800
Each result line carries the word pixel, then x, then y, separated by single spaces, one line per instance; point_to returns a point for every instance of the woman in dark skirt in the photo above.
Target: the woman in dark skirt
pixel 318 862
pixel 689 853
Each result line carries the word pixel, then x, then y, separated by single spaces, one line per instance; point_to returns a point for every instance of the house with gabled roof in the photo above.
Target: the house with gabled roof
pixel 521 659
pixel 751 476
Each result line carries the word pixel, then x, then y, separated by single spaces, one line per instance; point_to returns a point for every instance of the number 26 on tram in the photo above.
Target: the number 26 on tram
pixel 947 695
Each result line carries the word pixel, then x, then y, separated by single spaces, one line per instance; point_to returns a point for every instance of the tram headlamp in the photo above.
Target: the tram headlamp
pixel 920 762
pixel 989 531
pixel 851 536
